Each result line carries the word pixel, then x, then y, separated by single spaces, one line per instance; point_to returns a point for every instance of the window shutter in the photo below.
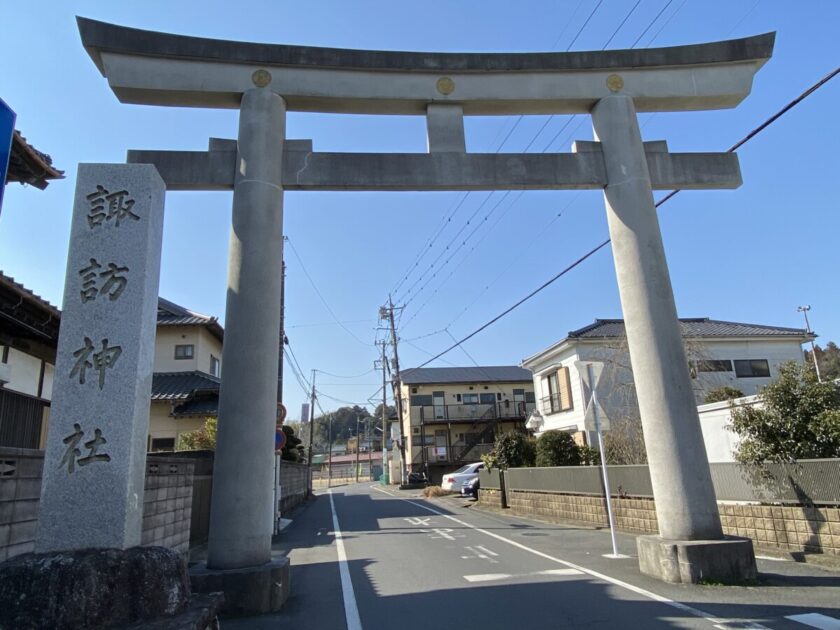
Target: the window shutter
pixel 565 389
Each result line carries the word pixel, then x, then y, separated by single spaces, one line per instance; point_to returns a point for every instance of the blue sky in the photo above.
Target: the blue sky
pixel 749 255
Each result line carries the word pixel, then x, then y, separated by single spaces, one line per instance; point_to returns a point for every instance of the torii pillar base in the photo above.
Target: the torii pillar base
pixel 248 591
pixel 730 560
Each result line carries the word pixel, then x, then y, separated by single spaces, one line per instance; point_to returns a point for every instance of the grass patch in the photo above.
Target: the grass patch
pixel 435 491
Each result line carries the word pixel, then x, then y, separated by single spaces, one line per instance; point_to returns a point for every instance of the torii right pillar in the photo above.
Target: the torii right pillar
pixel 690 546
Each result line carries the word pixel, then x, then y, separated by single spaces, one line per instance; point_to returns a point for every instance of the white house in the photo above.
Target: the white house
pixel 743 356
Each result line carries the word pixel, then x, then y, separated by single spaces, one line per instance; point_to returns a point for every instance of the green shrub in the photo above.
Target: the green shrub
pixel 589 456
pixel 557 448
pixel 723 393
pixel 513 450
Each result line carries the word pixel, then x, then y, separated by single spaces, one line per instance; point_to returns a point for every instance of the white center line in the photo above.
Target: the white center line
pixel 351 609
pixel 816 620
pixel 747 625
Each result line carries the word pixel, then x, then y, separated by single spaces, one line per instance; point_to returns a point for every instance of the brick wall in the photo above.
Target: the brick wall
pixel 166 511
pixel 791 528
pixel 490 497
pixel 294 485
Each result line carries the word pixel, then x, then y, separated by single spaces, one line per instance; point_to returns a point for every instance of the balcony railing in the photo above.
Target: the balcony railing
pixel 552 404
pixel 502 410
pixel 458 453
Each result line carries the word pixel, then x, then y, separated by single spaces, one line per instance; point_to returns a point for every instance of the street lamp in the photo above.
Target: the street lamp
pixel 804 310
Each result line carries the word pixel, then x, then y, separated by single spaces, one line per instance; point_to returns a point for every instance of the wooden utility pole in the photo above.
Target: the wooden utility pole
pixel 385 470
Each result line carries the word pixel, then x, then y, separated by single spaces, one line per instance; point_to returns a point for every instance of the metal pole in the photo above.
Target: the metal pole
pixel 358 443
pixel 311 429
pixel 594 403
pixel 384 420
pixel 329 457
pixel 804 310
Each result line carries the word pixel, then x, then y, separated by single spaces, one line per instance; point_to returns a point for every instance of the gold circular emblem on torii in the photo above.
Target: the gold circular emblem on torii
pixel 261 77
pixel 445 86
pixel 615 83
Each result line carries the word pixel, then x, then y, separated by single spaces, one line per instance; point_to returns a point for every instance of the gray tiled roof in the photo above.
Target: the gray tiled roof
pixel 690 328
pixel 177 386
pixel 489 374
pixel 171 314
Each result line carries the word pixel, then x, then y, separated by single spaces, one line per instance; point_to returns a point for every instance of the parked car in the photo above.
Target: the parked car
pixel 455 480
pixel 470 488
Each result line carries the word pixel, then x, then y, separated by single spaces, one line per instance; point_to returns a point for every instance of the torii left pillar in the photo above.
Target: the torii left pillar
pixel 239 558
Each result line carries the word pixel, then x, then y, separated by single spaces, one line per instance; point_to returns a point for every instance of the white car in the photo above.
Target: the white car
pixel 455 480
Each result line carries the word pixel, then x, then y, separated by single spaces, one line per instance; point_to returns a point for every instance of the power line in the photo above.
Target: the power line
pixel 431 242
pixel 405 296
pixel 315 287
pixel 342 376
pixel 600 246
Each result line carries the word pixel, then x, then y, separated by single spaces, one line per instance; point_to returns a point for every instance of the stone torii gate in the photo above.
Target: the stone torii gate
pixel 265 81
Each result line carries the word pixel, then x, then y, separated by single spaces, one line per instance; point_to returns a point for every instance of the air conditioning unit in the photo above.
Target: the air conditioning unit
pixel 5 373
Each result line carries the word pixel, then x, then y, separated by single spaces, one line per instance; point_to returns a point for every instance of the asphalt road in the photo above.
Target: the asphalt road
pixel 401 561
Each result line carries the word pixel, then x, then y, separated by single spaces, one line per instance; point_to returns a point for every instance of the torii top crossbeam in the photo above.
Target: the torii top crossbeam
pixel 153 68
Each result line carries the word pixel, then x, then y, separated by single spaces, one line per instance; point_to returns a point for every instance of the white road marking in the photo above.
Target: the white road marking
pixel 490 577
pixel 816 620
pixel 443 532
pixel 560 572
pixel 487 577
pixel 414 520
pixel 478 554
pixel 771 558
pixel 351 609
pixel 716 621
pixel 487 551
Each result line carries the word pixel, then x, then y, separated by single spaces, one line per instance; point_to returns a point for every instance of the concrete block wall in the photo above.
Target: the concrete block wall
pixel 294 484
pixel 167 503
pixel 166 513
pixel 490 497
pixel 20 493
pixel 789 528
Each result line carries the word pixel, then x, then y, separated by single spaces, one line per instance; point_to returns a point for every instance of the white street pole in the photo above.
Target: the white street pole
pixel 804 310
pixel 597 416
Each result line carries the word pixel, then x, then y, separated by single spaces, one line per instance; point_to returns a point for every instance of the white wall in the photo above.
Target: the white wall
pixel 721 442
pixel 25 372
pixel 204 344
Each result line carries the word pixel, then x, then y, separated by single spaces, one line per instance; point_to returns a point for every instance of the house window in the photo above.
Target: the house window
pixel 185 351
pixel 163 444
pixel 214 366
pixel 751 368
pixel 559 388
pixel 470 399
pixel 458 397
pixel 499 396
pixel 713 365
pixel 413 390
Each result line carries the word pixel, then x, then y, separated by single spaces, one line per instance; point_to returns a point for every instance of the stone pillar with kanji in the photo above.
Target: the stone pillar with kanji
pixel 94 466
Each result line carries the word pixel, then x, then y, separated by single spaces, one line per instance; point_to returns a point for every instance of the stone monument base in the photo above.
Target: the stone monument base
pixel 730 560
pixel 249 590
pixel 94 588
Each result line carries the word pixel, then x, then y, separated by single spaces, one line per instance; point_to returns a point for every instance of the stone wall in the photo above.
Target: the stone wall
pixel 167 501
pixel 790 528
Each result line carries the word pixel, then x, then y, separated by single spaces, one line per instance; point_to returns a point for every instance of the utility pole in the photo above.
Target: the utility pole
pixel 311 422
pixel 396 384
pixel 282 336
pixel 385 470
pixel 804 310
pixel 358 443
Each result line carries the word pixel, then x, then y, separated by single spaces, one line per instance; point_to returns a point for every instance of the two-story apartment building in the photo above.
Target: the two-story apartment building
pixel 720 353
pixel 452 414
pixel 185 387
